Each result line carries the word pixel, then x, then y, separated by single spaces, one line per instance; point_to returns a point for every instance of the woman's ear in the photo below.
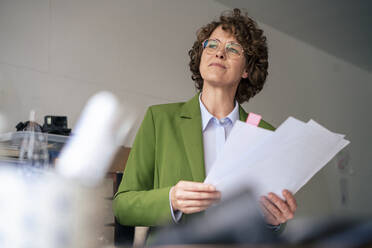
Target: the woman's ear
pixel 245 74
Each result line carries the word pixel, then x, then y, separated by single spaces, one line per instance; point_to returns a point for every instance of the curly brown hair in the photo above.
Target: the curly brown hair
pixel 247 33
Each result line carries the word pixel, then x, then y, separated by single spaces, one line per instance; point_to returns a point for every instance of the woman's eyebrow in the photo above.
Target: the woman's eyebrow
pixel 229 41
pixel 214 39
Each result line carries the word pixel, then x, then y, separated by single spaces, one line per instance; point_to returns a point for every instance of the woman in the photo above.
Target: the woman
pixel 177 143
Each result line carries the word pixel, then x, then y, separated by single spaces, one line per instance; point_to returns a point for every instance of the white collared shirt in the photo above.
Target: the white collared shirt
pixel 215 133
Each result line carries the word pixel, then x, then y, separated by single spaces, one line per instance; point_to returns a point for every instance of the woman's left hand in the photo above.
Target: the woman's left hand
pixel 277 211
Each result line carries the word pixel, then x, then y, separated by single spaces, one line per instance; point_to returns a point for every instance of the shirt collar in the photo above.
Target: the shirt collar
pixel 206 116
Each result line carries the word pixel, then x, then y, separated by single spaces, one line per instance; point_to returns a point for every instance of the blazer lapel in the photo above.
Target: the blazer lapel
pixel 242 114
pixel 191 131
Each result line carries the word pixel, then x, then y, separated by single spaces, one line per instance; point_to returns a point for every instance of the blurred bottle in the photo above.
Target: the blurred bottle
pixel 34 146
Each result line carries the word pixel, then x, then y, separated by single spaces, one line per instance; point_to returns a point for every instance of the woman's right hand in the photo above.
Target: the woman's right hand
pixel 192 197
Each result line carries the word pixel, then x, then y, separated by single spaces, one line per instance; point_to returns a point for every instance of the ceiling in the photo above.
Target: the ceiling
pixel 342 28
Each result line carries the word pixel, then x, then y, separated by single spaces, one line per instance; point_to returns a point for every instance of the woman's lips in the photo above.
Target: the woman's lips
pixel 218 65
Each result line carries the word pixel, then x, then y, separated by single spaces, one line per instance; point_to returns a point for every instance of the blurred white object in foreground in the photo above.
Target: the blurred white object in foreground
pixel 41 209
pixel 102 127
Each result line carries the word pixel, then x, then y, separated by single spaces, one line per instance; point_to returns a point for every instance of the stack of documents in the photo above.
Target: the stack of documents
pixel 268 161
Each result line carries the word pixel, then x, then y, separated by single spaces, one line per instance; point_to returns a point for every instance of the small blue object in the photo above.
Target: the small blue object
pixel 205 43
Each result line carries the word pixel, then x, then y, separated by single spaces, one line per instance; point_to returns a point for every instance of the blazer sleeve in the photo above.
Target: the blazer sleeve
pixel 137 203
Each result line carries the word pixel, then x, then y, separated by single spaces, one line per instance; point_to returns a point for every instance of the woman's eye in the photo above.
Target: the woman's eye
pixel 212 45
pixel 232 50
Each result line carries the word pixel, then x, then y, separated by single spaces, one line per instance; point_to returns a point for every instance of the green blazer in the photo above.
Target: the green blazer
pixel 168 148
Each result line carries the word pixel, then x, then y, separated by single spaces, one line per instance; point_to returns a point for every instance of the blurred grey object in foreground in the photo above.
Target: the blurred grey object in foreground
pixel 237 220
pixel 334 231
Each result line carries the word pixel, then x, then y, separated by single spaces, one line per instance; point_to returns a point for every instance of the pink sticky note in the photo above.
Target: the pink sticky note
pixel 254 119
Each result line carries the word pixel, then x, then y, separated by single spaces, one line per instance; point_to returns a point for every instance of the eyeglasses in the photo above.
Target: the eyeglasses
pixel 232 49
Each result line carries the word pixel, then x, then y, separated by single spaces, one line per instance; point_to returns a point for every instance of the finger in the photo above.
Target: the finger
pixel 281 205
pixel 192 195
pixel 189 204
pixel 273 209
pixel 290 200
pixel 193 210
pixel 268 216
pixel 196 186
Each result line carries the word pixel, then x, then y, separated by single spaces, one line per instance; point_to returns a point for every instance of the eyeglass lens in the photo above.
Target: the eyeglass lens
pixel 232 49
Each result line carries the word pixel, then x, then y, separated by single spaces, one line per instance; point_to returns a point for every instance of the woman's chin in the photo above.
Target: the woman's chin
pixel 218 82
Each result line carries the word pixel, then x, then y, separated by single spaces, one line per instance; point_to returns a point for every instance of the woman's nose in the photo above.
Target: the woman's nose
pixel 221 54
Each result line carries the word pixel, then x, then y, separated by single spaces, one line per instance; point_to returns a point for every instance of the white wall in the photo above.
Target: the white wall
pixel 55 54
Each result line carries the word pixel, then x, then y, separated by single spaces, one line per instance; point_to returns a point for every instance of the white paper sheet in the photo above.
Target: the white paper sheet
pixel 267 161
pixel 231 149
